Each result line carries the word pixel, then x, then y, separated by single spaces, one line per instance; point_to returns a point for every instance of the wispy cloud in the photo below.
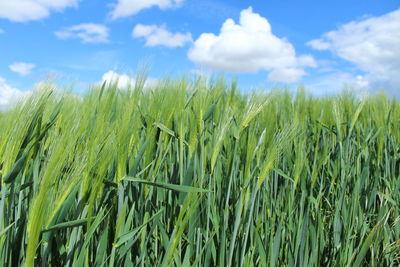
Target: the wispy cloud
pixel 22 68
pixel 371 44
pixel 87 32
pixel 125 8
pixel 159 35
pixel 27 10
pixel 334 82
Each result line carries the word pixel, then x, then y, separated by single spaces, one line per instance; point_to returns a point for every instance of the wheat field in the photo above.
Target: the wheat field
pixel 194 172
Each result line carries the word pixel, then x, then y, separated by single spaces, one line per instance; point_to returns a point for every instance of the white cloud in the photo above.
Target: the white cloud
pixel 371 44
pixel 289 75
pixel 8 94
pixel 26 10
pixel 87 32
pixel 1 31
pixel 125 8
pixel 159 35
pixel 335 82
pixel 124 80
pixel 22 68
pixel 201 72
pixel 250 46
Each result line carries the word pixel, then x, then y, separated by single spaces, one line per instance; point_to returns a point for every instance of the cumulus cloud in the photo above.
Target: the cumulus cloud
pixel 87 32
pixel 371 44
pixel 125 8
pixel 250 46
pixel 9 95
pixel 22 68
pixel 124 81
pixel 27 10
pixel 159 35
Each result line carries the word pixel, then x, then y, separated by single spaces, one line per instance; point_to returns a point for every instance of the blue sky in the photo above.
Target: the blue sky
pixel 321 44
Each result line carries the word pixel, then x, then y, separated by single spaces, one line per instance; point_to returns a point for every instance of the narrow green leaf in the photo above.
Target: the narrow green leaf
pixel 174 187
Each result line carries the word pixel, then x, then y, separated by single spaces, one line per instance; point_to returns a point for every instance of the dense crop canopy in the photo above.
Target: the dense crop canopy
pixel 194 173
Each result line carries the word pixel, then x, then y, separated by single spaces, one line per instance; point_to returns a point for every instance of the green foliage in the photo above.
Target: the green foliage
pixel 195 173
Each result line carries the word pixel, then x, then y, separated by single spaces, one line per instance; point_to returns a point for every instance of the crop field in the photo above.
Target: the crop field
pixel 194 172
